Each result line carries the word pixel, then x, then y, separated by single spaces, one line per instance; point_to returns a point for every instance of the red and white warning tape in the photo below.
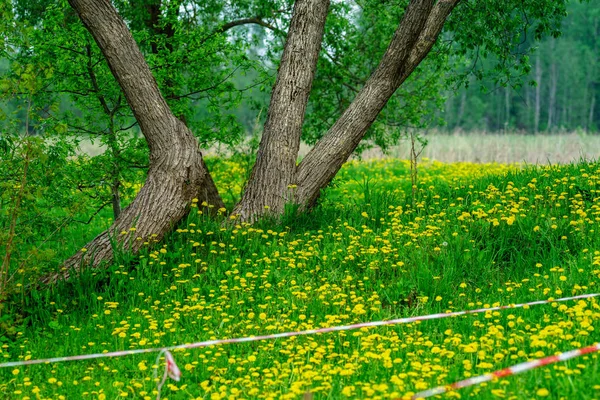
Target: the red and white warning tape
pixel 173 371
pixel 290 334
pixel 515 369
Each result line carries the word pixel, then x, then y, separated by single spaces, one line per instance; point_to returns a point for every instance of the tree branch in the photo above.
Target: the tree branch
pixel 244 21
pixel 207 88
pixel 127 127
pixel 92 76
pixel 247 21
pixel 93 215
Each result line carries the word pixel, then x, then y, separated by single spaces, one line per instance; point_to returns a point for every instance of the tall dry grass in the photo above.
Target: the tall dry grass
pixel 476 147
pixel 501 148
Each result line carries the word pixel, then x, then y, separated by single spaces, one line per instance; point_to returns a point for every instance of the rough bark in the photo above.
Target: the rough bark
pixel 268 189
pixel 177 172
pixel 419 29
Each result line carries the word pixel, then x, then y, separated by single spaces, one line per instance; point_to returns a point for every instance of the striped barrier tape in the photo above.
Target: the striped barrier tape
pixel 503 373
pixel 290 334
pixel 173 371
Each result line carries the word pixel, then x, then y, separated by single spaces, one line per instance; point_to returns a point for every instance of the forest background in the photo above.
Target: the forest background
pixel 560 93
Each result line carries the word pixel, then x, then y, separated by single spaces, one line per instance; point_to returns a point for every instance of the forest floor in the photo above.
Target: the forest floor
pixel 474 235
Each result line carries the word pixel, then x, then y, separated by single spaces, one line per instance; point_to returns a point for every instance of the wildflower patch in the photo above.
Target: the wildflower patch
pixel 472 236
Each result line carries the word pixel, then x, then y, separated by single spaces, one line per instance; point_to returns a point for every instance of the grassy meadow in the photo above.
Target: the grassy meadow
pixel 475 235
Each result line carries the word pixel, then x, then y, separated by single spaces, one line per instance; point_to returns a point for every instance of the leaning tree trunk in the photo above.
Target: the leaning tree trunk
pixel 177 171
pixel 418 31
pixel 268 189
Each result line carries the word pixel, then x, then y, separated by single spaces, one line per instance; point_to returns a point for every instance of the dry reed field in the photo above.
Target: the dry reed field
pixel 501 148
pixel 473 147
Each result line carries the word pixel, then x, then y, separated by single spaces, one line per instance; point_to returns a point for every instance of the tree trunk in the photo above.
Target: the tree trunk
pixel 538 80
pixel 566 112
pixel 461 109
pixel 552 97
pixel 268 189
pixel 590 121
pixel 418 31
pixel 553 87
pixel 525 119
pixel 593 85
pixel 160 25
pixel 115 197
pixel 506 108
pixel 177 171
pixel 449 112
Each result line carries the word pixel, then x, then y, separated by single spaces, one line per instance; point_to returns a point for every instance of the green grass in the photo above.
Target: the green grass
pixel 476 235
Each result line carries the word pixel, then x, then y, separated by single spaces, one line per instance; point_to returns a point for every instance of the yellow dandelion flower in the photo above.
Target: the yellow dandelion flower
pixel 542 392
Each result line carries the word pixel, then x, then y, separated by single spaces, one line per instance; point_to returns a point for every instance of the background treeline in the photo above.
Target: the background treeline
pixel 557 90
pixel 566 71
